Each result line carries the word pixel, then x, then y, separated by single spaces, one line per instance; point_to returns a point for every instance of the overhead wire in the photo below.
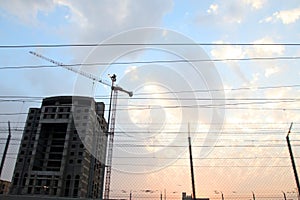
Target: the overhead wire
pixel 222 89
pixel 225 106
pixel 245 101
pixel 143 44
pixel 202 123
pixel 186 98
pixel 25 98
pixel 204 166
pixel 207 140
pixel 152 62
pixel 172 92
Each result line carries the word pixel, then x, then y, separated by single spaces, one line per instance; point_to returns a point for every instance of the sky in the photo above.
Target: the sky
pixel 225 71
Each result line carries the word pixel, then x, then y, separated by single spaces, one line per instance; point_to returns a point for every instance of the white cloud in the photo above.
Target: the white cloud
pixel 256 4
pixel 278 93
pixel 230 52
pixel 76 15
pixel 288 16
pixel 254 51
pixel 265 50
pixel 130 68
pixel 92 21
pixel 213 8
pixel 231 12
pixel 27 11
pixel 269 71
pixel 106 18
pixel 227 51
pixel 255 78
pixel 285 16
pixel 266 20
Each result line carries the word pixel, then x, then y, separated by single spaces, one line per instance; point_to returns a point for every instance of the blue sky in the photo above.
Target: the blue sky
pixel 257 115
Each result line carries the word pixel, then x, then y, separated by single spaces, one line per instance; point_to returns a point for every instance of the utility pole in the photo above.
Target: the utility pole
pixel 253 195
pixel 293 161
pixel 191 164
pixel 284 195
pixel 5 149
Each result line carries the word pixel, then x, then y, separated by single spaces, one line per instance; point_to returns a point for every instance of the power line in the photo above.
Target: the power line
pixel 203 106
pixel 142 142
pixel 13 155
pixel 23 97
pixel 224 89
pixel 142 44
pixel 210 158
pixel 225 128
pixel 185 98
pixel 197 166
pixel 230 131
pixel 171 92
pixel 217 99
pixel 152 62
pixel 177 134
pixel 20 98
pixel 28 67
pixel 16 113
pixel 176 123
pixel 203 166
pixel 254 100
pixel 205 146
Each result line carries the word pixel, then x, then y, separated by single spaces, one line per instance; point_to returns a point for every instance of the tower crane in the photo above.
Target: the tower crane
pixel 111 114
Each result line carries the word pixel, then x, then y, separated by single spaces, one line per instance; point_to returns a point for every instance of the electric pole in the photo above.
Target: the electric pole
pixel 284 195
pixel 191 163
pixel 5 149
pixel 253 195
pixel 293 161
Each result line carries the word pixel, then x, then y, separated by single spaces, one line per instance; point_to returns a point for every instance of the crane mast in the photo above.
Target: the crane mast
pixel 112 120
pixel 111 115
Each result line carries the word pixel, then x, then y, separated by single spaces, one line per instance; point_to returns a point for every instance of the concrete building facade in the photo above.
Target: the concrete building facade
pixel 63 149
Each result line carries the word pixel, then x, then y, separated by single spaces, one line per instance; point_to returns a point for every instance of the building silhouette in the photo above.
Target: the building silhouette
pixel 63 149
pixel 189 197
pixel 4 187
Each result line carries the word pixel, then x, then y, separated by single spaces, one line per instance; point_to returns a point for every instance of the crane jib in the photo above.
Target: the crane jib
pixel 83 73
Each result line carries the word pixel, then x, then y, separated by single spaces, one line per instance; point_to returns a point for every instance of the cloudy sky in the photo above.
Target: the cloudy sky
pixel 230 69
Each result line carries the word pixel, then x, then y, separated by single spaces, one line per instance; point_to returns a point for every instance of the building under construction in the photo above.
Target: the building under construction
pixel 63 149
